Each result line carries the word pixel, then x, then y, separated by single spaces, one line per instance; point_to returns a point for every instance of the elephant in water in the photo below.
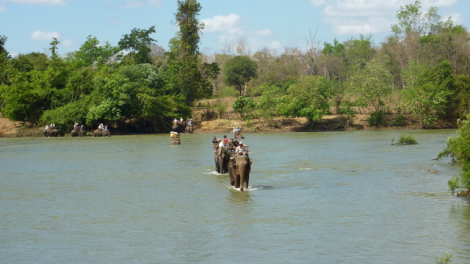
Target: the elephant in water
pixel 189 129
pixel 101 133
pixel 239 170
pixel 51 132
pixel 78 133
pixel 221 160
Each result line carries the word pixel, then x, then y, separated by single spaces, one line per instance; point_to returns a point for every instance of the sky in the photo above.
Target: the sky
pixel 30 25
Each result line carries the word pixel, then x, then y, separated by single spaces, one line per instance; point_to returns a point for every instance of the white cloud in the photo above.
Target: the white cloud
pixel 229 24
pixel 40 35
pixel 37 2
pixel 352 17
pixel 2 8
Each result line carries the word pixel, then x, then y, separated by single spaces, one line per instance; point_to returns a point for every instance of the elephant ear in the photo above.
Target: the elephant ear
pixel 251 161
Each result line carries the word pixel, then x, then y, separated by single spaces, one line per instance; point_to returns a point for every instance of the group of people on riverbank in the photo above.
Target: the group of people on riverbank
pixel 233 146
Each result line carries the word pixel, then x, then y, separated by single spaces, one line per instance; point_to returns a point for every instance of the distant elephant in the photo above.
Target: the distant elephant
pixel 75 132
pixel 175 138
pixel 178 127
pixel 189 129
pixel 78 132
pixel 221 159
pixel 101 133
pixel 241 167
pixel 51 132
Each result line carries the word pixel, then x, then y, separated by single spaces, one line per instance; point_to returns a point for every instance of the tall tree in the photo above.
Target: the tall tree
pixel 238 71
pixel 184 64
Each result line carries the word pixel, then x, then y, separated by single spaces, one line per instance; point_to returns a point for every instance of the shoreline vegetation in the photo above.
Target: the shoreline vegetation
pixel 207 120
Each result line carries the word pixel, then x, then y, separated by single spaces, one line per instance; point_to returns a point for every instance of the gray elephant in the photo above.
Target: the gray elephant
pixel 101 133
pixel 240 167
pixel 221 159
pixel 78 132
pixel 51 132
pixel 189 129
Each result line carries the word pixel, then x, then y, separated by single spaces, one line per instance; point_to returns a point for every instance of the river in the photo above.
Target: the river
pixel 333 197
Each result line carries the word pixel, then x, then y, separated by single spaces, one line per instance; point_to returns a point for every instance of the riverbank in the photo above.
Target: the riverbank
pixel 208 120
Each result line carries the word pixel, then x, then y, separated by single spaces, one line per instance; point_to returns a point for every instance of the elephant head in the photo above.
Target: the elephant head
pixel 241 167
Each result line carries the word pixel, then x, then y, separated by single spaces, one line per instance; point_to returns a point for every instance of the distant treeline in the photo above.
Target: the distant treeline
pixel 422 68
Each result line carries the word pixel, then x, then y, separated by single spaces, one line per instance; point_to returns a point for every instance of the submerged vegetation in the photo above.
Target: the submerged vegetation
pixel 405 140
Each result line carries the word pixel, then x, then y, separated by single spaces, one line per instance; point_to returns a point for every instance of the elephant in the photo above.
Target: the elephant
pixel 78 132
pixel 178 127
pixel 221 159
pixel 189 129
pixel 240 167
pixel 101 133
pixel 51 132
pixel 75 132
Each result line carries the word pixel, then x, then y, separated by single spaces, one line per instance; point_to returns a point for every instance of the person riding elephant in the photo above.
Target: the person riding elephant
pixel 241 167
pixel 82 131
pixel 50 131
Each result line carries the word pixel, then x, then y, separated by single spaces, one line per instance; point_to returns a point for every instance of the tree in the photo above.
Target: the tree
pixel 238 71
pixel 185 70
pixel 93 49
pixel 4 61
pixel 137 43
pixel 459 148
pixel 307 98
pixel 371 85
pixel 243 106
pixel 427 91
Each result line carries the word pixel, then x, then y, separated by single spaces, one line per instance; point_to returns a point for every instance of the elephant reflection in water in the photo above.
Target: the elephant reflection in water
pixel 239 169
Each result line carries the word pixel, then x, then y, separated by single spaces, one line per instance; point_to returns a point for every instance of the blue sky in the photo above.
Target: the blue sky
pixel 30 25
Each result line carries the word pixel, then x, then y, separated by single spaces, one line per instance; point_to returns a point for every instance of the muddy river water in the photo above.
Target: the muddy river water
pixel 339 197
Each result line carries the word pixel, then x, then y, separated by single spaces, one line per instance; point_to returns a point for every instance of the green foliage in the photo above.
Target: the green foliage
pixel 428 91
pixel 243 106
pixel 405 140
pixel 377 119
pixel 267 104
pixel 64 117
pixel 238 71
pixel 445 259
pixel 399 121
pixel 185 73
pixel 459 148
pixel 371 85
pixel 137 43
pixel 93 50
pixel 307 98
pixel 454 183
